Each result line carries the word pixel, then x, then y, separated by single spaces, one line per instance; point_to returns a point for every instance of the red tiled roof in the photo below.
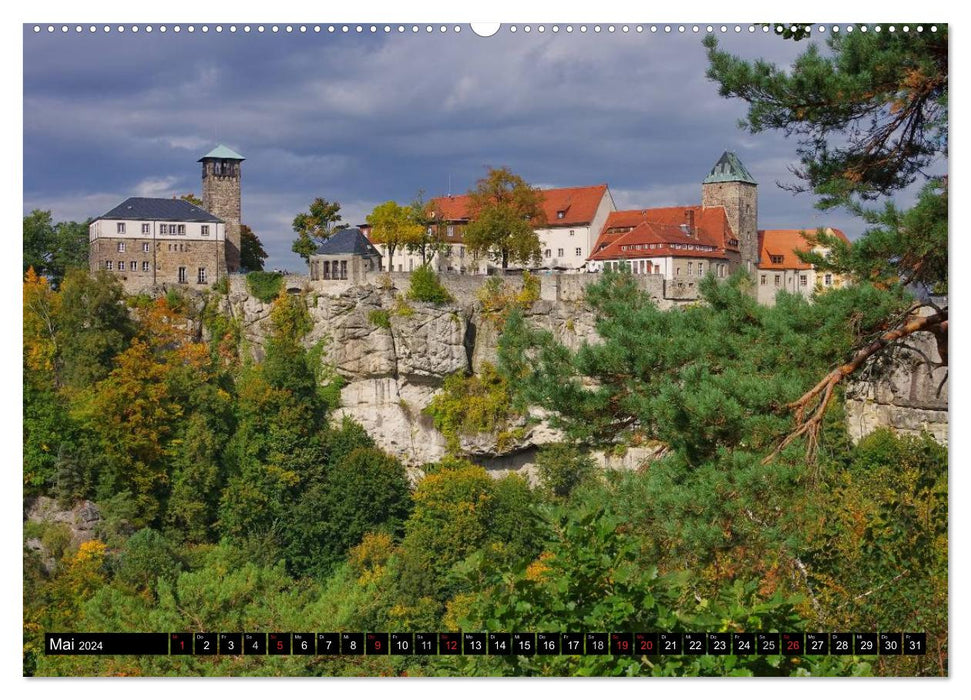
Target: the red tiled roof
pixel 708 226
pixel 578 204
pixel 785 243
pixel 666 239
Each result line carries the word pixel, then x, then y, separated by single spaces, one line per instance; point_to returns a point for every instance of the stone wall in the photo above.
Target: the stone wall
pixel 163 262
pixel 221 197
pixel 902 392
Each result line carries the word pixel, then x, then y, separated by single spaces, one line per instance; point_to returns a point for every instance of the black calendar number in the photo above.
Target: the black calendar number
pixel 500 644
pixel 793 643
pixel 402 643
pixel 450 643
pixel 719 643
pixel 890 643
pixel 352 643
pixel 621 643
pixel 180 643
pixel 571 643
pixel 841 644
pixel 475 643
pixel 817 644
pixel 865 643
pixel 915 643
pixel 743 643
pixel 597 643
pixel 767 643
pixel 328 643
pixel 230 643
pixel 548 643
pixel 694 643
pixel 303 643
pixel 278 643
pixel 670 643
pixel 376 643
pixel 645 643
pixel 204 643
pixel 524 643
pixel 254 643
pixel 426 643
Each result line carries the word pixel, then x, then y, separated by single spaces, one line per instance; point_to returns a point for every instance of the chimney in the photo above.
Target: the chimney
pixel 690 214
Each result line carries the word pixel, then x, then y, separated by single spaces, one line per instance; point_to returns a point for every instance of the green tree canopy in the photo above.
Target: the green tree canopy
pixel 315 226
pixel 431 241
pixel 505 212
pixel 393 226
pixel 251 252
pixel 53 249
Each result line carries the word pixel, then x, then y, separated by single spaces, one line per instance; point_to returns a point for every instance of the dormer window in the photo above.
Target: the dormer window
pixel 561 213
pixel 776 259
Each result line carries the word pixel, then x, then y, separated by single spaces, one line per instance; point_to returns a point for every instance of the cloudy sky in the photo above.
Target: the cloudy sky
pixel 364 118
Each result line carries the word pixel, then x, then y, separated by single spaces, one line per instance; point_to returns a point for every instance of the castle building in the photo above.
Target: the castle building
pixel 147 241
pixel 716 237
pixel 780 268
pixel 574 217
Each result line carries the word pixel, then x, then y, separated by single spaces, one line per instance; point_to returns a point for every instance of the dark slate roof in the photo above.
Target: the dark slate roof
pixel 348 241
pixel 730 169
pixel 157 209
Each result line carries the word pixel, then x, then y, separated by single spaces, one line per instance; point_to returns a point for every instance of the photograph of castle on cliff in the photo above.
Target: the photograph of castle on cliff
pixel 571 350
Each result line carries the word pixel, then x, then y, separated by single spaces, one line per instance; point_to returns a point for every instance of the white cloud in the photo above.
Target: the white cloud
pixel 156 187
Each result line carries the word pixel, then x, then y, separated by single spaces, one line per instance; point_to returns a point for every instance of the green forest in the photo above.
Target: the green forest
pixel 231 501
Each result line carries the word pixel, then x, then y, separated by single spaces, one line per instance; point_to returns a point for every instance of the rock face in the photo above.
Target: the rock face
pixel 905 393
pixel 393 356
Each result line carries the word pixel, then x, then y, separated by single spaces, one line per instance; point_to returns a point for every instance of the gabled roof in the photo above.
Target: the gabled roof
pixel 578 204
pixel 785 243
pixel 691 225
pixel 666 239
pixel 222 152
pixel 158 209
pixel 729 169
pixel 348 241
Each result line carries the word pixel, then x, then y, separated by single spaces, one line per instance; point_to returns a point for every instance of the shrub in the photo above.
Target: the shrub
pixel 265 286
pixel 402 308
pixel 562 468
pixel 426 287
pixel 468 405
pixel 222 285
pixel 380 318
pixel 498 299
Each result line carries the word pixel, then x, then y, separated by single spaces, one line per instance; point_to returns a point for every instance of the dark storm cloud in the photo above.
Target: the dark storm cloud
pixel 363 119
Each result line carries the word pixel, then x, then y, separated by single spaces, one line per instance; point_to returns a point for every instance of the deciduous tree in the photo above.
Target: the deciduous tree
pixel 505 212
pixel 393 226
pixel 315 226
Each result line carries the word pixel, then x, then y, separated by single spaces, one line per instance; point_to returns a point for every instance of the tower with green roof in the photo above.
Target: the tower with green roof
pixel 731 185
pixel 221 196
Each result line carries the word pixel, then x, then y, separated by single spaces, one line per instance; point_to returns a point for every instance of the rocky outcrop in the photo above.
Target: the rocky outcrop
pixel 905 391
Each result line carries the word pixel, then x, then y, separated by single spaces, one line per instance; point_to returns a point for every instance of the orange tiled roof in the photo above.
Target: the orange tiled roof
pixel 578 205
pixel 708 226
pixel 785 243
pixel 666 239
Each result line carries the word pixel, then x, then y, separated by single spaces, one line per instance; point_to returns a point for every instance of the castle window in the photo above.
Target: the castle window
pixel 828 280
pixel 146 228
pixel 461 251
pixel 344 269
pixel 163 228
pixel 777 259
pixel 121 227
pixel 107 264
pixel 547 253
pixel 561 213
pixel 202 275
pixel 572 231
pixel 559 252
pixel 205 229
pixel 145 247
pixel 701 269
pixel 145 266
pixel 134 266
pixel 689 268
pixel 182 275
pixel 579 252
pixel 121 247
pixel 121 266
pixel 778 280
pixel 181 229
pixel 803 280
pixel 450 230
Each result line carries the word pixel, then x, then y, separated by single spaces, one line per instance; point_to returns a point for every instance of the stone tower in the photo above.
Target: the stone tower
pixel 221 196
pixel 730 185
